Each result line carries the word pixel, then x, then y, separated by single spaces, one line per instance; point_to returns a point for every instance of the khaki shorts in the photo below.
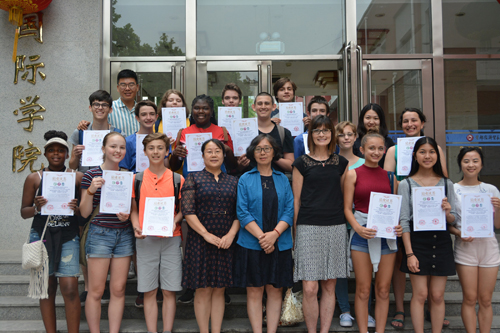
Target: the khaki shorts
pixel 481 252
pixel 159 259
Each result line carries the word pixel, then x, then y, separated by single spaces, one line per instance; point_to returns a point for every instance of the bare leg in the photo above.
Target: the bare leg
pixel 469 281
pixel 72 307
pixel 119 273
pixel 418 297
pixel 436 298
pixel 151 310
pixel 254 307
pixel 327 304
pixel 382 288
pixel 168 310
pixel 98 273
pixel 48 307
pixel 310 305
pixel 487 279
pixel 218 307
pixel 398 286
pixel 273 307
pixel 363 269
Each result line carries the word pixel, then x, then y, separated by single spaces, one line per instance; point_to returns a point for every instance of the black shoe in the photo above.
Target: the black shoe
pixel 187 297
pixel 139 301
pixel 227 299
pixel 105 297
pixel 83 298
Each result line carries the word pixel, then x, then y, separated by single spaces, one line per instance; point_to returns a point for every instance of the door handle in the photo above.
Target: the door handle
pixel 259 77
pixel 173 76
pixel 182 80
pixel 359 56
pixel 369 83
pixel 346 81
pixel 269 78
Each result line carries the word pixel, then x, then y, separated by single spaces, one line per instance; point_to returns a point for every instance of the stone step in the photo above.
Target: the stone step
pixel 20 308
pixel 230 326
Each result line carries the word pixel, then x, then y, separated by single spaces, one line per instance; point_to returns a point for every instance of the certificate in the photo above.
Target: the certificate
pixel 291 115
pixel 59 189
pixel 194 157
pixel 159 217
pixel 92 154
pixel 405 155
pixel 477 215
pixel 244 131
pixel 306 146
pixel 383 214
pixel 141 160
pixel 116 192
pixel 226 115
pixel 427 212
pixel 174 119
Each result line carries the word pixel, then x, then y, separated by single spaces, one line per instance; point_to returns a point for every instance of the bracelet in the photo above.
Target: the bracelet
pixel 279 234
pixel 90 193
pixel 408 255
pixel 36 210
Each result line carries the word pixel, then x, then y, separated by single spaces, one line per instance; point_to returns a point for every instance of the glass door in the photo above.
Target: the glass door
pixel 396 85
pixel 155 78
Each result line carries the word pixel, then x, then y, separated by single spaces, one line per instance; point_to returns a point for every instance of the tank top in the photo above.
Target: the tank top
pixel 369 180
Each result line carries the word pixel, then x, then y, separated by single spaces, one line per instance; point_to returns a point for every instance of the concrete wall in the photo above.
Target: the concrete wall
pixel 72 34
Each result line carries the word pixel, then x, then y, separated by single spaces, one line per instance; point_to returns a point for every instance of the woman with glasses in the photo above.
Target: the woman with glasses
pixel 319 223
pixel 264 253
pixel 209 206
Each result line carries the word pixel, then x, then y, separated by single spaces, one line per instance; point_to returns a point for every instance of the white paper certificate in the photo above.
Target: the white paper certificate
pixel 116 193
pixel 173 120
pixel 405 152
pixel 226 115
pixel 383 214
pixel 306 146
pixel 244 131
pixel 92 154
pixel 59 189
pixel 141 160
pixel 291 115
pixel 477 215
pixel 427 212
pixel 193 145
pixel 159 217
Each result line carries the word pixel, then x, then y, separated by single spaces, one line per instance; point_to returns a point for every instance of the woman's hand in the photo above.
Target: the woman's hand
pixel 180 151
pixel 270 250
pixel 398 230
pixel 467 239
pixel 496 204
pixel 413 265
pixel 123 216
pixel 39 202
pixel 445 205
pixel 226 241
pixel 77 150
pixel 267 240
pixel 243 162
pixel 212 239
pixel 73 204
pixel 138 233
pixel 366 233
pixel 96 184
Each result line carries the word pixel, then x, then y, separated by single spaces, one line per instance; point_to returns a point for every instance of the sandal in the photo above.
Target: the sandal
pixel 446 322
pixel 395 321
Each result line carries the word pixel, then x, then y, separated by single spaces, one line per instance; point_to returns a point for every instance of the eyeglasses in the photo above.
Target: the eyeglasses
pixel 213 152
pixel 266 149
pixel 104 106
pixel 318 131
pixel 125 85
pixel 346 134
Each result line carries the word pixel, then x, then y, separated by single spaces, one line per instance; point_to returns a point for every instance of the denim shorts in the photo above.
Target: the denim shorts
pixel 105 242
pixel 69 265
pixel 360 244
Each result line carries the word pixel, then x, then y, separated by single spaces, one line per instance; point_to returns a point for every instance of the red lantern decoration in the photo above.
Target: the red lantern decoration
pixel 16 9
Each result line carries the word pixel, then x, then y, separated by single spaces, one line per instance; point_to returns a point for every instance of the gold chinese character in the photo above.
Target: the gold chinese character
pixel 27 156
pixel 30 110
pixel 32 26
pixel 20 67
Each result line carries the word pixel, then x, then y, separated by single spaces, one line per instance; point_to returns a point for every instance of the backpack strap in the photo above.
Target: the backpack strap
pixel 390 174
pixel 226 136
pixel 281 131
pixel 117 130
pixel 157 125
pixel 80 137
pixel 137 187
pixel 176 178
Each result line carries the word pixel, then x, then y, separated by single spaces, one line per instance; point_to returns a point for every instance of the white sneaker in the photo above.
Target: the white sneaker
pixel 371 321
pixel 346 319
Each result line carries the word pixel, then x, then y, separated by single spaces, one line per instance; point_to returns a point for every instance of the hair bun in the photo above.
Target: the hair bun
pixel 374 130
pixel 55 134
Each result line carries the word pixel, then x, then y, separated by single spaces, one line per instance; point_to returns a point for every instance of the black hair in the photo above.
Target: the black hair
pixel 209 101
pixel 263 93
pixel 380 113
pixel 101 95
pixel 437 168
pixel 55 134
pixel 217 142
pixel 127 74
pixel 421 116
pixel 466 150
pixel 143 103
pixel 318 100
pixel 255 142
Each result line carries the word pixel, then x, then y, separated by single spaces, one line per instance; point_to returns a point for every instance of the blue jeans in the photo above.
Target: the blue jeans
pixel 109 242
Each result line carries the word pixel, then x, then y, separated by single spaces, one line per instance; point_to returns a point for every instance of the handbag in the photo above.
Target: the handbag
pixel 83 237
pixel 291 309
pixel 36 259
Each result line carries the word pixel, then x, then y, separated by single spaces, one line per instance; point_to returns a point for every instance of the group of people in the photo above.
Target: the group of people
pixel 246 214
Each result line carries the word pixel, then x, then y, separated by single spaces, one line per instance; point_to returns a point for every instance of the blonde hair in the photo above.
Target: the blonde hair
pixel 339 128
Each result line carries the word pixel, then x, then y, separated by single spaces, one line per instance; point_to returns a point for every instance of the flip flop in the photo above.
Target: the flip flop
pixel 401 321
pixel 446 322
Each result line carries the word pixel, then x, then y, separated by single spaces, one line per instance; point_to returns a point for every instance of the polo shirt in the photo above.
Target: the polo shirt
pixel 123 118
pixel 156 187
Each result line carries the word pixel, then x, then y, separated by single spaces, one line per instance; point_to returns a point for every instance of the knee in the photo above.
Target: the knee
pixel 420 295
pixel 437 297
pixel 469 299
pixel 254 294
pixel 69 291
pixel 328 287
pixel 363 292
pixel 383 292
pixel 310 289
pixel 485 300
pixel 117 291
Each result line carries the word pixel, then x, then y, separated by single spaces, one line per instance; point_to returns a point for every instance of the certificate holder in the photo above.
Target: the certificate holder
pixel 59 189
pixel 92 154
pixel 291 115
pixel 173 120
pixel 116 193
pixel 383 214
pixel 306 146
pixel 226 115
pixel 159 217
pixel 477 215
pixel 427 212
pixel 244 131
pixel 405 155
pixel 141 160
pixel 193 145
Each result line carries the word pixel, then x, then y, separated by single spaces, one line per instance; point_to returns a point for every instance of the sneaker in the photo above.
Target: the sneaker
pixel 131 271
pixel 83 298
pixel 139 301
pixel 346 319
pixel 187 297
pixel 371 321
pixel 227 298
pixel 105 297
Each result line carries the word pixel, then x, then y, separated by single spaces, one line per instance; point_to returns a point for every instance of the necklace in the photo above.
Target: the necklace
pixel 62 170
pixel 320 160
pixel 420 180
